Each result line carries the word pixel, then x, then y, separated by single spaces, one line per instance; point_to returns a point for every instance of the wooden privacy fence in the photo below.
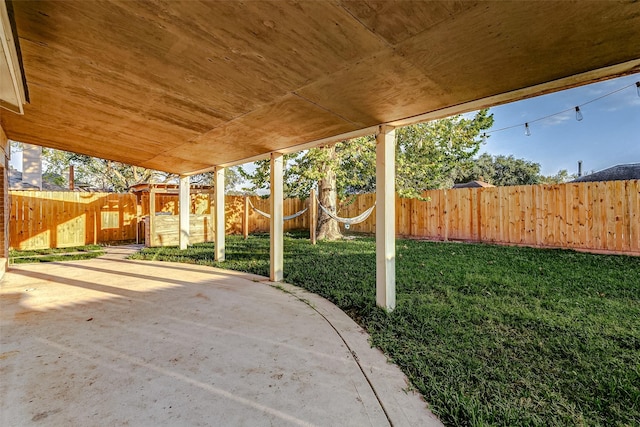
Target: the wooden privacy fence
pixel 591 216
pixel 45 219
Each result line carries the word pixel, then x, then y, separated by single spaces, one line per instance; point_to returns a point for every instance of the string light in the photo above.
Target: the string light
pixel 576 109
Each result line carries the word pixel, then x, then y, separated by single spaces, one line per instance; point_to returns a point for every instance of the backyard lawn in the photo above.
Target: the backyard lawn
pixel 55 254
pixel 490 335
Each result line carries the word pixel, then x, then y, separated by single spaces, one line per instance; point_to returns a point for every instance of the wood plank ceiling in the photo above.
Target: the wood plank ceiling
pixel 181 86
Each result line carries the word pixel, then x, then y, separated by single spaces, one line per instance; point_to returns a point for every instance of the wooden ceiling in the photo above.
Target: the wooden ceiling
pixel 182 86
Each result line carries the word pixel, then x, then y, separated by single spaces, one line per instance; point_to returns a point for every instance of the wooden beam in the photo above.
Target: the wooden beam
pixel 276 222
pixel 385 219
pixel 219 216
pixel 589 77
pixel 184 209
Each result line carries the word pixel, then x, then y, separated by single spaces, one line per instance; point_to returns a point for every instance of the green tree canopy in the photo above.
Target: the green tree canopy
pixel 426 155
pixel 499 171
pixel 562 176
pixel 506 170
pixel 107 175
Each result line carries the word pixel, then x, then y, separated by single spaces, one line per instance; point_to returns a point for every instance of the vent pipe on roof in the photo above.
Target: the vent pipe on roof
pixel 579 168
pixel 72 178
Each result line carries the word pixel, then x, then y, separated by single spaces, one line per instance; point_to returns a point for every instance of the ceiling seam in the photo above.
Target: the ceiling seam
pixel 378 36
pixel 324 108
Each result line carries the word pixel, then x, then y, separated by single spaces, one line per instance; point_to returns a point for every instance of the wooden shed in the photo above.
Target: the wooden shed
pixel 158 210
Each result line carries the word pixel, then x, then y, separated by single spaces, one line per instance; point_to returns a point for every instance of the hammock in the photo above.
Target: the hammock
pixel 286 218
pixel 349 221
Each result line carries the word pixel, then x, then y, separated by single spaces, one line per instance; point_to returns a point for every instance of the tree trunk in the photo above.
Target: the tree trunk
pixel 328 228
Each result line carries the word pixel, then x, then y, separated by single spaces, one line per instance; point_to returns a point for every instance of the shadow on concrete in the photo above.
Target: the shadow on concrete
pixel 111 342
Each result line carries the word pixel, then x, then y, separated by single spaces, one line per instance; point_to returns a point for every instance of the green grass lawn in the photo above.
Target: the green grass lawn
pixel 490 335
pixel 55 254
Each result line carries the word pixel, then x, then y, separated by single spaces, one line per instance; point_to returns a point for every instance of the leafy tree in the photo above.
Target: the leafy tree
pixel 562 176
pixel 426 155
pixel 107 175
pixel 104 175
pixel 232 180
pixel 499 171
pixel 506 170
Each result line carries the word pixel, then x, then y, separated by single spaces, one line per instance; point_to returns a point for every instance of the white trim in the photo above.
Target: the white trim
pixel 10 56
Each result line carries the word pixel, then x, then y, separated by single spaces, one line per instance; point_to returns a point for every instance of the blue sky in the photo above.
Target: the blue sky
pixel 609 133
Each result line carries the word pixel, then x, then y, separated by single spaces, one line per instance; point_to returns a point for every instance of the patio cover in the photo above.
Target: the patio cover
pixel 184 86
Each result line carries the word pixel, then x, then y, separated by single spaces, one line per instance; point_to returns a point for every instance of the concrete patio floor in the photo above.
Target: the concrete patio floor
pixel 116 342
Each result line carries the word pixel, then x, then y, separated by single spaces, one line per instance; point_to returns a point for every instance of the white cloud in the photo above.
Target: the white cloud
pixel 558 118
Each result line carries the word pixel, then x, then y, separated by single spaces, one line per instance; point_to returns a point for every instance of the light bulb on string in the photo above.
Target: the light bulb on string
pixel 527 131
pixel 578 114
pixel 638 87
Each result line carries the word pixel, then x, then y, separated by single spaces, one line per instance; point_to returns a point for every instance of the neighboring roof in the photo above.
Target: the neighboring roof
pixel 473 184
pixel 614 173
pixel 187 85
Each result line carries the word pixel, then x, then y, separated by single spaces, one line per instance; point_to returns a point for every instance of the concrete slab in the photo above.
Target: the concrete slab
pixel 117 342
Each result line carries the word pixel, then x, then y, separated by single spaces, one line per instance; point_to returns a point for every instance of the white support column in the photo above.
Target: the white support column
pixel 184 209
pixel 219 226
pixel 276 223
pixel 385 218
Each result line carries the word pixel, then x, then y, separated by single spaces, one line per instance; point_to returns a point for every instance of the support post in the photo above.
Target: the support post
pixel 184 209
pixel 212 216
pixel 276 222
pixel 152 216
pixel 313 216
pixel 245 218
pixel 385 219
pixel 95 228
pixel 219 226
